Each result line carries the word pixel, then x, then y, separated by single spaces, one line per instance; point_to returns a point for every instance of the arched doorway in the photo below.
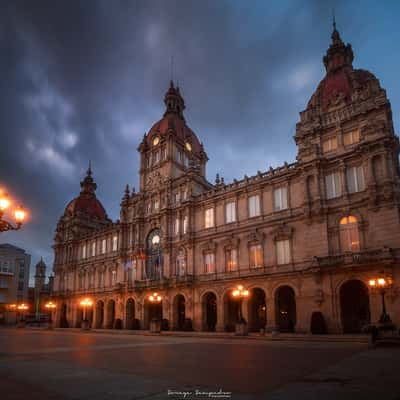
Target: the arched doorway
pixel 99 314
pixel 179 312
pixel 354 306
pixel 257 310
pixel 152 310
pixel 209 311
pixel 129 313
pixel 110 314
pixel 154 260
pixel 285 304
pixel 231 312
pixel 79 317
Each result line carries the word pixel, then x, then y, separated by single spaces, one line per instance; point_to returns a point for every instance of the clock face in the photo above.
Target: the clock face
pixel 188 146
pixel 155 239
pixel 156 140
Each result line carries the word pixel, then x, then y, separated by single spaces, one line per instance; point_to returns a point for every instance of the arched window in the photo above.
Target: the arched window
pixel 180 269
pixel 154 255
pixel 349 237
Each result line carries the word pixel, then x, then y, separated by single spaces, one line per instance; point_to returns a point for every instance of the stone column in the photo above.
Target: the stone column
pixel 220 315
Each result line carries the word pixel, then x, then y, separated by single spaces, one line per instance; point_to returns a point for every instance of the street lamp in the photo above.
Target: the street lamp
pixel 240 294
pixel 382 284
pixel 19 214
pixel 155 323
pixel 12 308
pixel 22 308
pixel 85 303
pixel 50 306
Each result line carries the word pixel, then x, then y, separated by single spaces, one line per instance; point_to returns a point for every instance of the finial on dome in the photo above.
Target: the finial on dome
pixel 126 193
pixel 89 170
pixel 334 19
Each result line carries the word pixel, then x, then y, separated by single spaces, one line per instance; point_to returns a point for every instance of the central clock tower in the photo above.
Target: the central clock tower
pixel 170 149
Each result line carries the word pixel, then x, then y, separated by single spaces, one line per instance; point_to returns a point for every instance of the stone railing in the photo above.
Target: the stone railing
pixel 361 257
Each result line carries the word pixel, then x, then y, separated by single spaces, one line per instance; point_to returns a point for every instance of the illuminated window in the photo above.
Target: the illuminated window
pixel 329 144
pixel 84 251
pixel 185 224
pixel 93 249
pixel 333 185
pixel 176 226
pixel 113 277
pixel 156 204
pixel 283 252
pixel 209 263
pixel 351 137
pixel 254 206
pixel 230 212
pixel 231 259
pixel 180 269
pixel 355 179
pixel 114 243
pixel 349 237
pixel 255 256
pixel 209 218
pixel 280 199
pixel 103 246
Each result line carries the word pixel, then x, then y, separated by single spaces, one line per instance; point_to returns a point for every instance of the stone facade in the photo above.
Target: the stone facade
pixel 305 239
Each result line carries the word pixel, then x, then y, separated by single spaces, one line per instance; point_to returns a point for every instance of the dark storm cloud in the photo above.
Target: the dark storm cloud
pixel 84 80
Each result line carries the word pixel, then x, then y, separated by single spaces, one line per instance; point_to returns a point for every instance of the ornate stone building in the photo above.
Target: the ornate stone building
pixel 305 239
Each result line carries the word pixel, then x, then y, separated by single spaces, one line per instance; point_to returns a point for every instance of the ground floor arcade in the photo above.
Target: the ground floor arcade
pixel 321 303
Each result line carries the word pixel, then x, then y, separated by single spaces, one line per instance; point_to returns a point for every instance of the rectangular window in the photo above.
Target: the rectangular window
pixel 84 251
pixel 209 264
pixel 93 249
pixel 255 255
pixel 177 197
pixel 20 285
pixel 149 208
pixel 280 199
pixel 156 204
pixel 333 185
pixel 103 246
pixel 156 157
pixel 113 277
pixel 283 252
pixel 231 259
pixel 114 243
pixel 176 226
pixel 254 206
pixel 351 137
pixel 329 144
pixel 209 218
pixel 355 179
pixel 230 212
pixel 185 224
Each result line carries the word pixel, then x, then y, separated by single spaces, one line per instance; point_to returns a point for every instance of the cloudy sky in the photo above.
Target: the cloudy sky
pixel 84 80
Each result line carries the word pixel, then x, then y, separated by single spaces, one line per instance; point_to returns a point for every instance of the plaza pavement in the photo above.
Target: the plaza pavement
pixel 71 364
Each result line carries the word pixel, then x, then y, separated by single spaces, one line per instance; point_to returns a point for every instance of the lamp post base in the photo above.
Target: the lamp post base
pixel 155 325
pixel 241 329
pixel 85 325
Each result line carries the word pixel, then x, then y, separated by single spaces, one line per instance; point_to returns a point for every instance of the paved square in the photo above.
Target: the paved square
pixel 77 365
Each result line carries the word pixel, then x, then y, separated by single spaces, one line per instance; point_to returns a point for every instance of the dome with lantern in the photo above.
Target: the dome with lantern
pixel 87 204
pixel 173 120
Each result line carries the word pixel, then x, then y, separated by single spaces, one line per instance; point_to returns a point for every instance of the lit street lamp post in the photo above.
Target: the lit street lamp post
pixel 50 306
pixel 22 308
pixel 382 284
pixel 155 323
pixel 12 308
pixel 241 326
pixel 19 214
pixel 85 303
